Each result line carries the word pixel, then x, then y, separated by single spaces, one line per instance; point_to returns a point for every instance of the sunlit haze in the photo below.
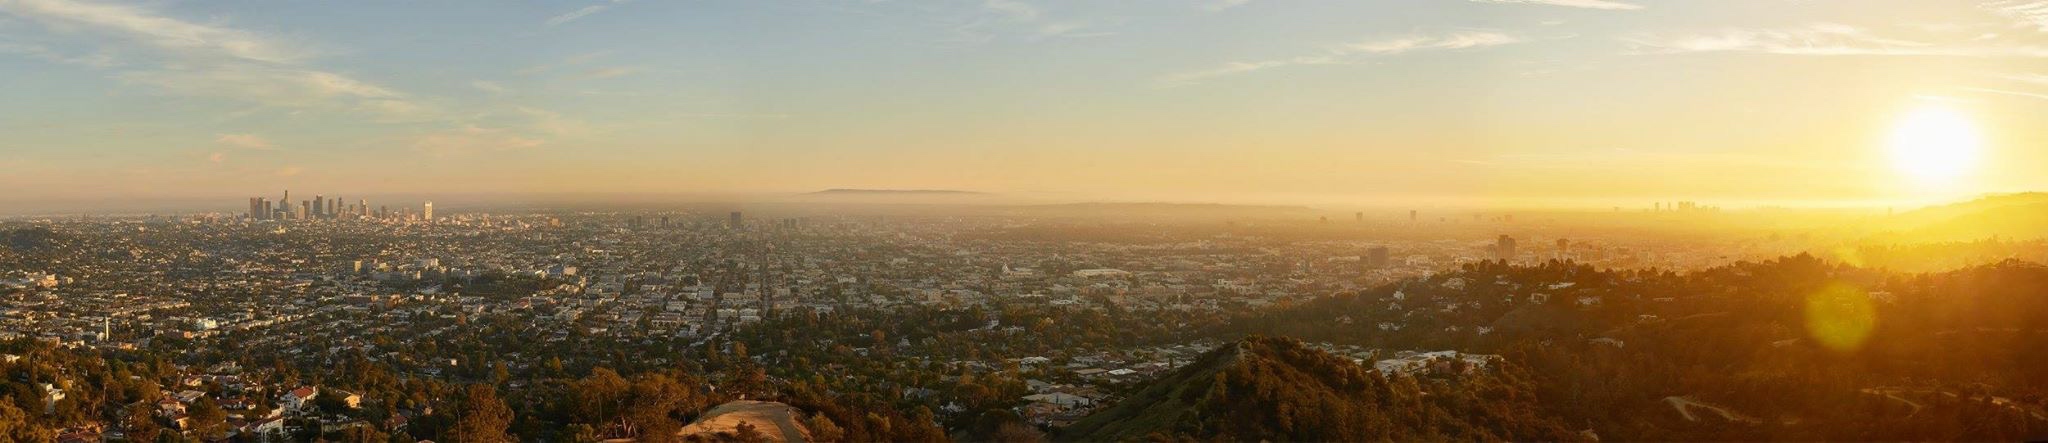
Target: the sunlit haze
pixel 1023 221
pixel 1356 103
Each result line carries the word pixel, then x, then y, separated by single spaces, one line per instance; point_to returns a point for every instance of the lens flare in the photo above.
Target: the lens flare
pixel 1840 317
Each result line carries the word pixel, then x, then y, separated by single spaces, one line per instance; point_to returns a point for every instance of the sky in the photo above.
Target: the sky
pixel 1569 102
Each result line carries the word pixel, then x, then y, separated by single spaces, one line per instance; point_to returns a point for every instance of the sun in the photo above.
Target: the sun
pixel 1935 145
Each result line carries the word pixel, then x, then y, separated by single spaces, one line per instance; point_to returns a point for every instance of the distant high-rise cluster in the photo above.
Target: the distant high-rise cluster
pixel 323 208
pixel 1683 206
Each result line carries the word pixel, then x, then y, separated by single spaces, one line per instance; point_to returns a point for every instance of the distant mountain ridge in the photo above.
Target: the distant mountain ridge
pixel 855 191
pixel 2012 216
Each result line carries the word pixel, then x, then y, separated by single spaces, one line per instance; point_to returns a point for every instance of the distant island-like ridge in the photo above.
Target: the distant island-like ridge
pixel 850 191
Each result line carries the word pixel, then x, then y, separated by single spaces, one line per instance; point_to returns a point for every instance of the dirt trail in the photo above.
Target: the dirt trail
pixel 1685 406
pixel 1894 394
pixel 776 421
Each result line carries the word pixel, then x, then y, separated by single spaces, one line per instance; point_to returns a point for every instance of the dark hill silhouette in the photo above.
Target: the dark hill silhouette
pixel 1276 389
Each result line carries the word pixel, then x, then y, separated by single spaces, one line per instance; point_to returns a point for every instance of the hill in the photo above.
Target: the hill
pixel 775 422
pixel 1276 389
pixel 1795 348
pixel 847 191
pixel 2012 216
pixel 1160 210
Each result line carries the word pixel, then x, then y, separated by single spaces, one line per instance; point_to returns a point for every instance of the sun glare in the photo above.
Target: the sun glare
pixel 1935 144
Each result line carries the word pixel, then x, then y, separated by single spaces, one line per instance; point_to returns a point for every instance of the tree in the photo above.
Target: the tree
pixel 15 426
pixel 482 418
pixel 206 419
pixel 363 434
pixel 1017 432
pixel 746 433
pixel 823 429
pixel 582 433
pixel 140 424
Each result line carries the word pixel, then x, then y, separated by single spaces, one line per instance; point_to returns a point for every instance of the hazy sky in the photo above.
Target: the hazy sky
pixel 1592 101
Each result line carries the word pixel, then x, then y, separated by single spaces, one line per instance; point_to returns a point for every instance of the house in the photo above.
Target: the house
pixel 299 398
pixel 265 426
pixel 169 407
pixel 1062 399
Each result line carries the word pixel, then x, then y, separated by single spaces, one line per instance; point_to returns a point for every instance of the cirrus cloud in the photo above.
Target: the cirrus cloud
pixel 1349 53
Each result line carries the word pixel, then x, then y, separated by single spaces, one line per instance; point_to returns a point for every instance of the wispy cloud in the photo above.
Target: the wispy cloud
pixel 1348 53
pixel 188 58
pixel 142 26
pixel 565 63
pixel 2039 79
pixel 489 86
pixel 585 11
pixel 2032 95
pixel 1822 39
pixel 1015 10
pixel 617 71
pixel 471 139
pixel 1219 5
pixel 552 123
pixel 986 20
pixel 2032 13
pixel 244 141
pixel 1587 4
pixel 238 142
pixel 101 59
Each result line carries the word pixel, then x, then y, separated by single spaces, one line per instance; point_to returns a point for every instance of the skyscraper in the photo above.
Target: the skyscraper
pixel 1504 248
pixel 733 221
pixel 427 212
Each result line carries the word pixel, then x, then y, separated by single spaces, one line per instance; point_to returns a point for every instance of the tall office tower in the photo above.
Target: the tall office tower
pixel 269 213
pixel 1411 215
pixel 255 207
pixel 1504 248
pixel 1358 216
pixel 304 208
pixel 733 221
pixel 427 212
pixel 319 203
pixel 383 211
pixel 362 207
